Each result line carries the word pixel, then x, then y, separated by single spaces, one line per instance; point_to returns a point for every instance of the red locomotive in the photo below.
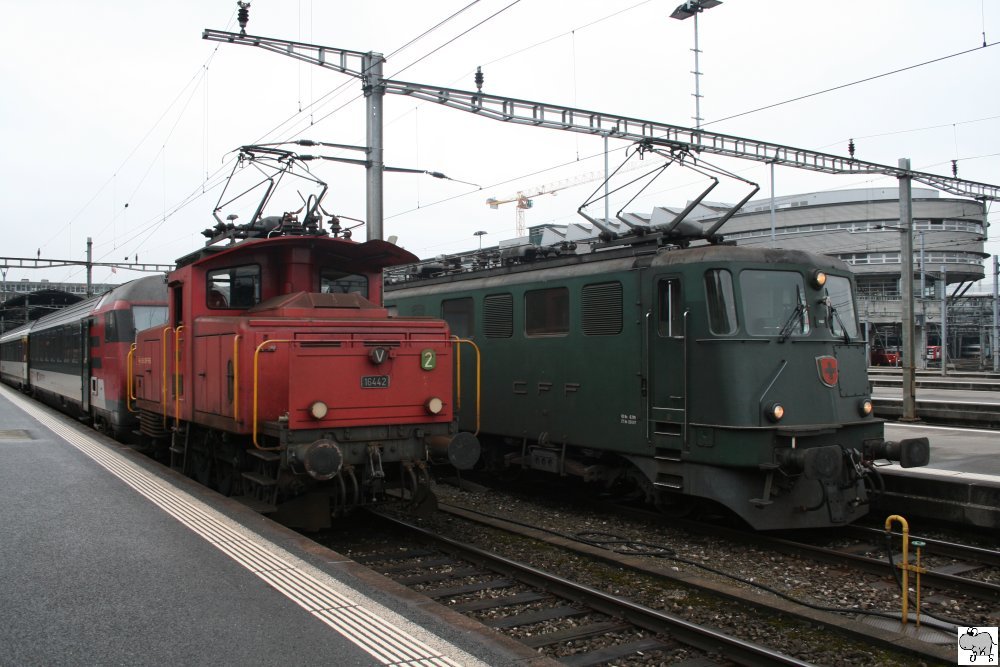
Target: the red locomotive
pixel 279 376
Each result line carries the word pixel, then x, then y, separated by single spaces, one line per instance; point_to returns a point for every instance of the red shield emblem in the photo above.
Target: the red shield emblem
pixel 828 373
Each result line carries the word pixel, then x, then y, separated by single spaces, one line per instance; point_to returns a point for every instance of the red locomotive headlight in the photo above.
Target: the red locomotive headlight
pixel 434 405
pixel 318 410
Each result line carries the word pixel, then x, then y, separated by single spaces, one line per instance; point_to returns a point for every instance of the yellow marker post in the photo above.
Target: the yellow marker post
pixel 905 566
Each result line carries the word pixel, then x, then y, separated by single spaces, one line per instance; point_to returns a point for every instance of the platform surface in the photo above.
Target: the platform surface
pixel 972 451
pixel 110 559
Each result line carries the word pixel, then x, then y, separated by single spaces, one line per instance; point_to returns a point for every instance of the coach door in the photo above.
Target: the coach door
pixel 87 382
pixel 666 333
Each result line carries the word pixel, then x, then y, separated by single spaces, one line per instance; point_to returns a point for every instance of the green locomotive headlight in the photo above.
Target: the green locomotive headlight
pixel 865 407
pixel 818 279
pixel 775 412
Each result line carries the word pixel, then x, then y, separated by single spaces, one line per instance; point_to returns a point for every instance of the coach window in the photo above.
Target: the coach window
pixel 546 312
pixel 720 301
pixel 670 321
pixel 458 313
pixel 235 287
pixel 332 281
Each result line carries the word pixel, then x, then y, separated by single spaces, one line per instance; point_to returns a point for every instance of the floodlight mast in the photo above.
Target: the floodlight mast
pixel 557 117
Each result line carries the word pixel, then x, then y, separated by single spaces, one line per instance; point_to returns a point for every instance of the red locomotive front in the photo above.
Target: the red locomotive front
pixel 281 379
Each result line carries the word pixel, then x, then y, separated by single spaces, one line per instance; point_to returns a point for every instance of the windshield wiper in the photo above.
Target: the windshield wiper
pixel 796 316
pixel 834 313
pixel 793 319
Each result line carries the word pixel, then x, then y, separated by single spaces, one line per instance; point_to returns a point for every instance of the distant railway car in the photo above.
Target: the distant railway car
pixel 76 358
pixel 715 372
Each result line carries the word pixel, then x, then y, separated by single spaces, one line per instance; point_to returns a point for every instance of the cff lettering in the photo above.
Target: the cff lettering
pixel 628 419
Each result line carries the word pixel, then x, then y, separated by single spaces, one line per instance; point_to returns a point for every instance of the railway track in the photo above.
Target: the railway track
pixel 595 627
pixel 952 567
pixel 499 598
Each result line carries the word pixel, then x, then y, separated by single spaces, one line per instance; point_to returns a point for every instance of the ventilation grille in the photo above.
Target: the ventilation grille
pixel 498 316
pixel 602 309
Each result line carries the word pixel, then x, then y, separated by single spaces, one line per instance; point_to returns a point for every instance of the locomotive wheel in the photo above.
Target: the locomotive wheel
pixel 226 477
pixel 675 506
pixel 227 466
pixel 200 466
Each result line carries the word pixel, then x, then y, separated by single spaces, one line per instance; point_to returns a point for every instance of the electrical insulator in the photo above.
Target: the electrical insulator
pixel 479 79
pixel 243 15
pixel 850 148
pixel 954 167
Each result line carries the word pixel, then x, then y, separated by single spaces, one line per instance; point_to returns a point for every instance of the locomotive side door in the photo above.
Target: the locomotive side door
pixel 666 351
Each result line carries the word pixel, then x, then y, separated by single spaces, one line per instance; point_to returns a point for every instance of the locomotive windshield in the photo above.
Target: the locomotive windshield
pixel 843 319
pixel 332 281
pixel 774 303
pixel 145 317
pixel 235 287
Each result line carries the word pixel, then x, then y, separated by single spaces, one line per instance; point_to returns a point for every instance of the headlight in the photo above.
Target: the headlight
pixel 775 412
pixel 434 405
pixel 865 407
pixel 318 410
pixel 818 279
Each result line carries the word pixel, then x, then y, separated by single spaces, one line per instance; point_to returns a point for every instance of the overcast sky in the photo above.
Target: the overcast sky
pixel 118 120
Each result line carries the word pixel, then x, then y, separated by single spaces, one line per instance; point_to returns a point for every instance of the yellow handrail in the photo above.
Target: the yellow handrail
pixel 177 375
pixel 458 373
pixel 130 378
pixel 236 377
pixel 163 372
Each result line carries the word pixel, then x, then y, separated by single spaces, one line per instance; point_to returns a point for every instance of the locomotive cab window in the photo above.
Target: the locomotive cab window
pixel 670 319
pixel 332 281
pixel 234 287
pixel 841 316
pixel 774 303
pixel 546 312
pixel 721 302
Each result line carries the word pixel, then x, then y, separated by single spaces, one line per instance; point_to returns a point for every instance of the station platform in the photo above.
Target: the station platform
pixel 961 484
pixel 110 558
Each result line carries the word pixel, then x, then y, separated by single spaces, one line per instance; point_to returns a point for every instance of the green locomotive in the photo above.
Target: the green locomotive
pixel 715 372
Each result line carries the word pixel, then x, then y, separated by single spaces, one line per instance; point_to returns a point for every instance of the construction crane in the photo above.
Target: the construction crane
pixel 524 197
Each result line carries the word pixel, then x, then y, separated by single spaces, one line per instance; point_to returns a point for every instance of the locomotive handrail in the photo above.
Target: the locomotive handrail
pixel 256 356
pixel 177 376
pixel 130 378
pixel 163 372
pixel 236 377
pixel 458 374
